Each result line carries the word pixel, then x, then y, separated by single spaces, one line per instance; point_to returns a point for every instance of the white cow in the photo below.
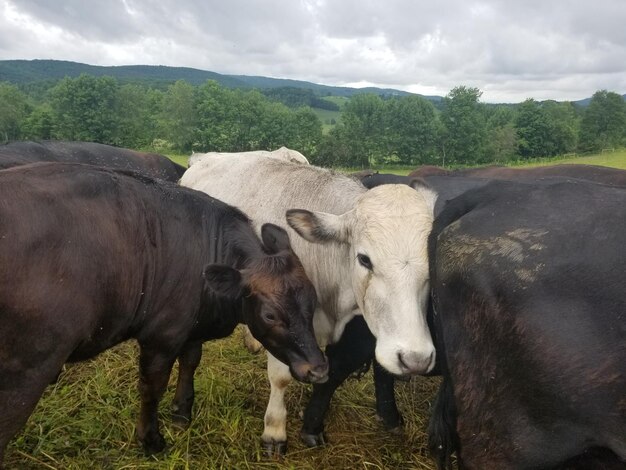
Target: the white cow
pixel 282 153
pixel 365 252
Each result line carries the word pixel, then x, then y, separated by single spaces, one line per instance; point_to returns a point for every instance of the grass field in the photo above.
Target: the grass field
pixel 86 420
pixel 180 159
pixel 327 116
pixel 616 159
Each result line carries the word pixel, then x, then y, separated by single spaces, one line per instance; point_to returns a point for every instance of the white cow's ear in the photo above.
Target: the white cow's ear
pixel 320 227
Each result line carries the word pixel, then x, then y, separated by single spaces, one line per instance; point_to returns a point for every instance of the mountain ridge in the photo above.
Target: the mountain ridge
pixel 23 71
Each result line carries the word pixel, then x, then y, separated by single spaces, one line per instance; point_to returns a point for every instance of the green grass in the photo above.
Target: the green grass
pixel 86 420
pixel 615 159
pixel 326 116
pixel 340 101
pixel 178 158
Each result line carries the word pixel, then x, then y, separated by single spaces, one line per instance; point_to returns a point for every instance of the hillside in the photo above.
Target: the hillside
pixel 23 72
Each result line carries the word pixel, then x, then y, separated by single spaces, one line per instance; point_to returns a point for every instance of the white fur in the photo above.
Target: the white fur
pixel 282 153
pixel 389 223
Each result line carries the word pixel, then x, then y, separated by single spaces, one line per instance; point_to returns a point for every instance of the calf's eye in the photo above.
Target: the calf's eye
pixel 365 261
pixel 269 317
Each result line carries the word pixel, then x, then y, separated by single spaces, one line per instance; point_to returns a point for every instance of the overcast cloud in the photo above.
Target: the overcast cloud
pixel 511 50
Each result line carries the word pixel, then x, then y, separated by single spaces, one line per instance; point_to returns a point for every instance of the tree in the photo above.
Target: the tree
pixel 85 108
pixel 306 132
pixel 410 129
pixel 546 129
pixel 336 150
pixel 39 125
pixel 363 121
pixel 216 109
pixel 134 127
pixel 464 123
pixel 13 110
pixel 603 123
pixel 179 119
pixel 563 126
pixel 502 141
pixel 533 130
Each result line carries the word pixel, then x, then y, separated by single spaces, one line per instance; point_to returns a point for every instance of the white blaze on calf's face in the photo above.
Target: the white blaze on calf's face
pixel 387 234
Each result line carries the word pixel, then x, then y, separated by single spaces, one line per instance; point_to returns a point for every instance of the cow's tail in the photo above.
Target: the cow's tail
pixel 442 437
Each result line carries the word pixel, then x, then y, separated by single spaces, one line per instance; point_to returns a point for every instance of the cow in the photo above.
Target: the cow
pixel 530 319
pixel 598 174
pixel 282 153
pixel 363 251
pixel 91 257
pixel 429 170
pixel 91 153
pixel 355 349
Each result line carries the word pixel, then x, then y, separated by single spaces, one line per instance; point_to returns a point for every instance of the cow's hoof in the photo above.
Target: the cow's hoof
pixel 395 431
pixel 392 425
pixel 313 440
pixel 153 443
pixel 180 421
pixel 274 449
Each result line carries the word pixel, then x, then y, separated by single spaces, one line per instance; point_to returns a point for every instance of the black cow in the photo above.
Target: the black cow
pixel 528 288
pixel 598 174
pixel 90 257
pixel 151 164
pixel 429 170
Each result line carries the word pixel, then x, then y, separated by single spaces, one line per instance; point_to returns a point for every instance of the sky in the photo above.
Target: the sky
pixel 510 50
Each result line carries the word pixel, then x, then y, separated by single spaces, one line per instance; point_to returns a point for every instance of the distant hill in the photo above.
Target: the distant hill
pixel 29 71
pixel 585 102
pixel 24 72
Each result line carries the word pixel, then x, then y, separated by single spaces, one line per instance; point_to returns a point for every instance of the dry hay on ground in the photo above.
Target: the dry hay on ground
pixel 86 420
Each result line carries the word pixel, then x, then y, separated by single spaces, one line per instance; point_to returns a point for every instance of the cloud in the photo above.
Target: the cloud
pixel 510 50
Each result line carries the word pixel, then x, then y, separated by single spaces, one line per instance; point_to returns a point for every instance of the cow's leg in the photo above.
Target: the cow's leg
pixel 252 344
pixel 353 350
pixel 154 371
pixel 188 361
pixel 386 406
pixel 274 436
pixel 20 391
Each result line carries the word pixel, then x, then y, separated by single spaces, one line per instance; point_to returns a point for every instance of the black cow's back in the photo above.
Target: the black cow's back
pixel 528 288
pixel 132 244
pixel 91 153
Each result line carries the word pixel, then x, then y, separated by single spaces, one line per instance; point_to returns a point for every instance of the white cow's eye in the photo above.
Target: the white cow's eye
pixel 365 261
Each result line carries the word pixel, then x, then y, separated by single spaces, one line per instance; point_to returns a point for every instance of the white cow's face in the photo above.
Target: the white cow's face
pixel 387 234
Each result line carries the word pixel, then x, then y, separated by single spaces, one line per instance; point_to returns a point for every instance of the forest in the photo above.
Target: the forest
pixel 371 129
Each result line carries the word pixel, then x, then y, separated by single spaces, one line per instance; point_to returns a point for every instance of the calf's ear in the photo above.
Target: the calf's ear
pixel 320 227
pixel 418 183
pixel 223 280
pixel 275 238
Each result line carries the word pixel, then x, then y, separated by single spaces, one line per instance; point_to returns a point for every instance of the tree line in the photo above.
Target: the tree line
pixel 372 130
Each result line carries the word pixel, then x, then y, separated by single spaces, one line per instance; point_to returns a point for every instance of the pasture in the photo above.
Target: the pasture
pixel 86 420
pixel 615 159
